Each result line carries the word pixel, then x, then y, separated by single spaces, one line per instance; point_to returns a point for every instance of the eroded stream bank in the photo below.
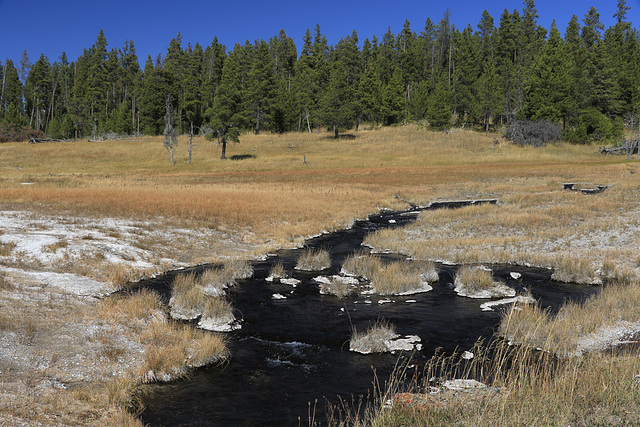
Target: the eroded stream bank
pixel 291 353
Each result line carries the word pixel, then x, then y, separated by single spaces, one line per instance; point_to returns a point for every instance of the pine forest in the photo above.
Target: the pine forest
pixel 579 76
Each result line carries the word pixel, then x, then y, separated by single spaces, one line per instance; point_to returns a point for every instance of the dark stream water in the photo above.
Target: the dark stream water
pixel 294 352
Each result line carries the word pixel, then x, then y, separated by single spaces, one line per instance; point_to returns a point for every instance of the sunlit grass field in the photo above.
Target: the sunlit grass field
pixel 269 189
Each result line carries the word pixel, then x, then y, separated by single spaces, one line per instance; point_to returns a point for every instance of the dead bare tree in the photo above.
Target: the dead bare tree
pixel 170 136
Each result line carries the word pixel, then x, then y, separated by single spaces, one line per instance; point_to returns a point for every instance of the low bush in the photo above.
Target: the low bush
pixel 10 132
pixel 535 133
pixel 594 126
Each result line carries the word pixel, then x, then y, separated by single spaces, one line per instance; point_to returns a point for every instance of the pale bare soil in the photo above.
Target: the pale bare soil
pixel 60 350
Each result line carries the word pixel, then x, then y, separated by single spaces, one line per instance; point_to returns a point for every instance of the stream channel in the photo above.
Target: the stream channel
pixel 292 355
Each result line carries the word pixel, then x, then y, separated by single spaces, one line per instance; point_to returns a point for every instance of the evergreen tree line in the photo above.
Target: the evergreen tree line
pixel 587 81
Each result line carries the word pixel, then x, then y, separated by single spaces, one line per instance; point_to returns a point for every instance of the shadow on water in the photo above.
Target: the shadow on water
pixel 293 352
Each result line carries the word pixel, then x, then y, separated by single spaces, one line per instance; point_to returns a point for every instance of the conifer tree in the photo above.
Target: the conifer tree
pixel 155 89
pixel 226 113
pixel 212 63
pixel 337 103
pixel 575 62
pixel 507 54
pixel 192 97
pixel 548 88
pixel 304 81
pixel 489 96
pixel 386 56
pixel 393 101
pixel 38 93
pixel 440 108
pixel 11 109
pixel 261 85
pixel 369 94
pixel 467 60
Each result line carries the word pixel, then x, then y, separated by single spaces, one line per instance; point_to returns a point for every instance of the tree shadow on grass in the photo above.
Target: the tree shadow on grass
pixel 345 136
pixel 242 157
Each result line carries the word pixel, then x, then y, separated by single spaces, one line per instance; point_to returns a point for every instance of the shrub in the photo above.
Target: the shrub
pixel 10 132
pixel 594 126
pixel 535 133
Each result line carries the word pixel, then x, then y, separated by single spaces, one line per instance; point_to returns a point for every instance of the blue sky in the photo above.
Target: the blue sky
pixel 51 27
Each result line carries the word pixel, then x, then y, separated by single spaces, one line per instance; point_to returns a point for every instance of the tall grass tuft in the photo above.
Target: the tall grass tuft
pixel 523 387
pixel 403 277
pixel 395 278
pixel 238 268
pixel 375 339
pixel 277 271
pixel 218 308
pixel 361 265
pixel 214 281
pixel 313 260
pixel 595 324
pixel 172 350
pixel 478 282
pixel 187 299
pixel 575 270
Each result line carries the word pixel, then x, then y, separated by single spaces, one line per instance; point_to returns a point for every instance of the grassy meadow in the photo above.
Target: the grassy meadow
pixel 270 192
pixel 270 197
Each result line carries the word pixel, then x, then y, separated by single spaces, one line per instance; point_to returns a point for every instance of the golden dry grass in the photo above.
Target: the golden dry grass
pixel 361 265
pixel 596 389
pixel 392 278
pixel 577 326
pixel 274 195
pixel 214 281
pixel 402 277
pixel 277 271
pixel 474 278
pixel 338 288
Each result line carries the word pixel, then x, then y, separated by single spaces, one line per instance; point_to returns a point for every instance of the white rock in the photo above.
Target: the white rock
pixel 219 324
pixel 522 299
pixel 278 296
pixel 409 343
pixel 463 384
pixel 515 275
pixel 498 290
pixel 290 281
pixel 335 279
pixel 467 355
pixel 392 344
